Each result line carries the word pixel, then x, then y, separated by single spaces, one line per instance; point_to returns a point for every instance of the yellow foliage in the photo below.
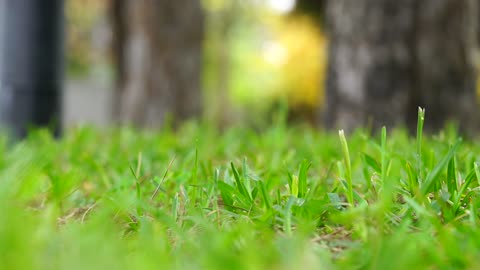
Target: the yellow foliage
pixel 303 67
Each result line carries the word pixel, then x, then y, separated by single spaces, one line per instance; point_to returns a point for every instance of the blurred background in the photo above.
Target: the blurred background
pixel 255 56
pixel 327 63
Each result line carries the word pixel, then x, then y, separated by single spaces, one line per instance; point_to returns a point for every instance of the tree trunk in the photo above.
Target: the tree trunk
pixel 445 52
pixel 158 51
pixel 388 57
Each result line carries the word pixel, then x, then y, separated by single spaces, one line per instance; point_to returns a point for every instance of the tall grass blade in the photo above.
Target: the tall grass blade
pixel 420 122
pixel 348 166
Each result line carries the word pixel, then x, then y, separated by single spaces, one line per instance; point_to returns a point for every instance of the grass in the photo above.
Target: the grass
pixel 283 198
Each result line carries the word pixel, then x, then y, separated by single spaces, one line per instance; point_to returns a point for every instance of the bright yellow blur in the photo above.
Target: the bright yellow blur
pixel 303 68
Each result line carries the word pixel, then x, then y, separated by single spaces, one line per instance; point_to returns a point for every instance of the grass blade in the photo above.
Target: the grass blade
pixel 384 155
pixel 240 186
pixel 348 167
pixel 265 196
pixel 468 180
pixel 294 187
pixel 370 161
pixel 302 179
pixel 245 178
pixel 420 122
pixel 477 171
pixel 432 175
pixel 452 176
pixel 194 180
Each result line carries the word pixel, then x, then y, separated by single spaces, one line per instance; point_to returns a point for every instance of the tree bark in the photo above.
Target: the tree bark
pixel 157 51
pixel 388 57
pixel 445 52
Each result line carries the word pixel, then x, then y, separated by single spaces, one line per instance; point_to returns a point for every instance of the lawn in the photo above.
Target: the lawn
pixel 279 198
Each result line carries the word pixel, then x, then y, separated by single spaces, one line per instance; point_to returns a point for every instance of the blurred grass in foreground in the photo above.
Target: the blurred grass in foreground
pixel 275 199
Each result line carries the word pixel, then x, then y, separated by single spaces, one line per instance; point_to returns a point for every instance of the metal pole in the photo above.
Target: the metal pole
pixel 31 65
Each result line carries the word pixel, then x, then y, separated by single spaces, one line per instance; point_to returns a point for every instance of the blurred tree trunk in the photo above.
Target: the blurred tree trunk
pixel 157 48
pixel 221 22
pixel 388 57
pixel 445 51
pixel 224 67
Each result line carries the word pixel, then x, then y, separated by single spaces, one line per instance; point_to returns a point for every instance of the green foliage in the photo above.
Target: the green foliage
pixel 195 198
pixel 82 16
pixel 255 59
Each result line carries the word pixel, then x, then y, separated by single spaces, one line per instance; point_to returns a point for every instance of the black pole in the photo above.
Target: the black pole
pixel 31 48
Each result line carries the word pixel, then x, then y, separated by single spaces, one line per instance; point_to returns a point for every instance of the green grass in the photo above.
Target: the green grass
pixel 283 198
